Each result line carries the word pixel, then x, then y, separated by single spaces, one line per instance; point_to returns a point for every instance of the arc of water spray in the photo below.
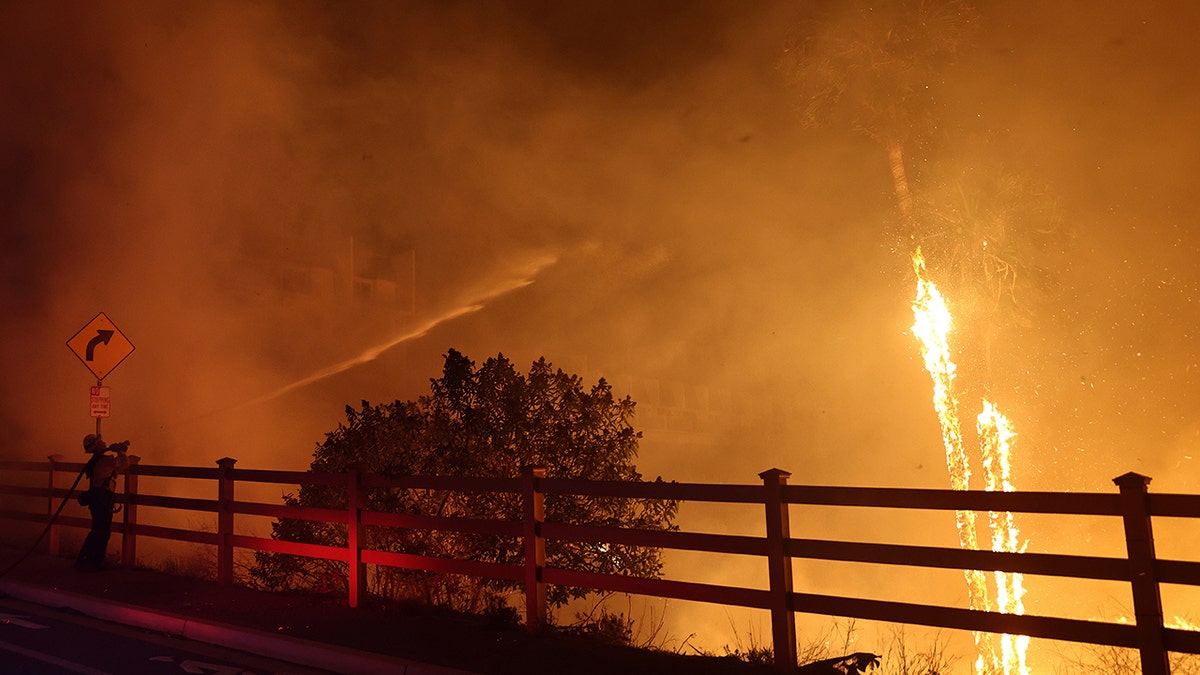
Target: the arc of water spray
pixel 524 278
pixel 372 353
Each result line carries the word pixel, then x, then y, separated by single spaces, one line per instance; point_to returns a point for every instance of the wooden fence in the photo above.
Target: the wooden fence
pixel 1132 503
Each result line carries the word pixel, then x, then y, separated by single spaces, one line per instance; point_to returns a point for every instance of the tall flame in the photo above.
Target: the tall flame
pixel 932 329
pixel 995 435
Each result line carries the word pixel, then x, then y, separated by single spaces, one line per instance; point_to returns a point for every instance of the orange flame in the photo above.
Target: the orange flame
pixel 995 435
pixel 932 329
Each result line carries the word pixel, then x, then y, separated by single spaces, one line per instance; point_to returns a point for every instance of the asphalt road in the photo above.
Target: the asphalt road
pixel 35 640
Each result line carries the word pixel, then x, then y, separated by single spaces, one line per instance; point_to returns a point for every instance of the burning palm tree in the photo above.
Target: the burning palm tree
pixel 879 68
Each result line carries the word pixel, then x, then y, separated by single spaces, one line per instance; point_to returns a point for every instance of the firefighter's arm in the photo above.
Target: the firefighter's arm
pixel 124 460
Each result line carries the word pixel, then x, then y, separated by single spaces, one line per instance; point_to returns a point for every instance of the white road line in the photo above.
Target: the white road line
pixel 20 620
pixel 54 661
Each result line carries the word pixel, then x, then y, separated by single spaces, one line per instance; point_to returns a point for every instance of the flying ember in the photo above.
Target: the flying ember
pixel 932 324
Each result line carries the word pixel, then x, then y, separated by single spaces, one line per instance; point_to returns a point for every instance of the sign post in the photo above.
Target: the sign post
pixel 101 346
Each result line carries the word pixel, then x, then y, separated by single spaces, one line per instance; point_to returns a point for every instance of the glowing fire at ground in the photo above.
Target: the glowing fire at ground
pixel 932 328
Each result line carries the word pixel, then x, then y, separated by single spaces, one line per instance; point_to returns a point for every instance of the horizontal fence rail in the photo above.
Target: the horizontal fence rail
pixel 1133 504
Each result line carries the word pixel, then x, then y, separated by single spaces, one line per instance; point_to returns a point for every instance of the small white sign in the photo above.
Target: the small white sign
pixel 101 401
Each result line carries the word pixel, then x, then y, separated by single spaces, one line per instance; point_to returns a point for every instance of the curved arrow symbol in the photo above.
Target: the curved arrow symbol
pixel 102 336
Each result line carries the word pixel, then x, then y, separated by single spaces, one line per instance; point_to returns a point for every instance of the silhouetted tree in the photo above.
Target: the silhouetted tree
pixel 488 422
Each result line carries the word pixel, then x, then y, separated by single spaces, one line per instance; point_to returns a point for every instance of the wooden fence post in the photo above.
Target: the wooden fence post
pixel 129 521
pixel 52 539
pixel 225 520
pixel 779 570
pixel 357 572
pixel 1147 602
pixel 535 547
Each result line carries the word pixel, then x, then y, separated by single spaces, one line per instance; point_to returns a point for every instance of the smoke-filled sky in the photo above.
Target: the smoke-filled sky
pixel 625 188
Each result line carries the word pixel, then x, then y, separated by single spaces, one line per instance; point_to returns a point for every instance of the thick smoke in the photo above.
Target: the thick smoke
pixel 621 187
pixel 710 254
pixel 166 159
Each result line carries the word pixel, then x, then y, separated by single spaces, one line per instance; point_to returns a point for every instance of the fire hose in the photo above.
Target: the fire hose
pixel 53 518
